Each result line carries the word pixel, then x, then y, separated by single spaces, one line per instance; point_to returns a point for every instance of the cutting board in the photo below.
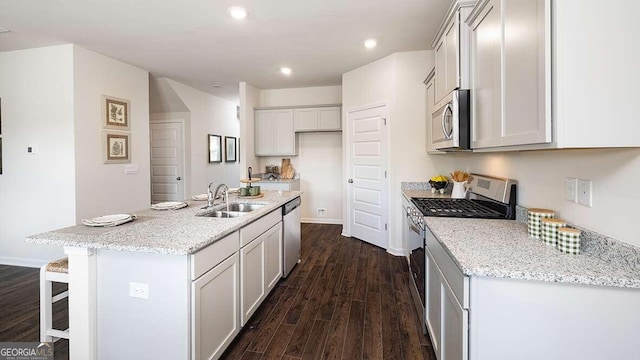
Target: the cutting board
pixel 287 171
pixel 245 181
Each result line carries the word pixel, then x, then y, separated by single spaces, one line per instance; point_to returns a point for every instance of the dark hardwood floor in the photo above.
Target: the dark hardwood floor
pixel 345 300
pixel 20 308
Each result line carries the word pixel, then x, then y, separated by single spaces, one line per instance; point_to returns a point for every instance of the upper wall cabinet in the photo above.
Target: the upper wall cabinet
pixel 430 83
pixel 451 46
pixel 510 63
pixel 274 135
pixel 316 119
pixel 589 80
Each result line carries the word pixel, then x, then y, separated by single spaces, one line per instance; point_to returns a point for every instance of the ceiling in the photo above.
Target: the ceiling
pixel 197 43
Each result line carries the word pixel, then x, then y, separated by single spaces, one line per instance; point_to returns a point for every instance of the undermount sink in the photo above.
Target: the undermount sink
pixel 232 211
pixel 245 208
pixel 224 214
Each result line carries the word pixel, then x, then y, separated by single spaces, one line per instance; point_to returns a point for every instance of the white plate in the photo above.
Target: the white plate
pixel 167 205
pixel 110 218
pixel 200 197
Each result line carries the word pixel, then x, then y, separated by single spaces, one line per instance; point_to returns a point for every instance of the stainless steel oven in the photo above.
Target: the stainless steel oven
pixel 450 123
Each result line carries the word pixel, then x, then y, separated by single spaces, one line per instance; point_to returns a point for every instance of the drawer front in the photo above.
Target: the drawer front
pixel 450 271
pixel 256 228
pixel 212 255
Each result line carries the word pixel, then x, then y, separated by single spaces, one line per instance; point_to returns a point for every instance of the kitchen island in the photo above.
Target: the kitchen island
pixel 170 284
pixel 494 293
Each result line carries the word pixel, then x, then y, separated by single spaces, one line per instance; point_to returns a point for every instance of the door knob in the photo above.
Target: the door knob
pixel 350 181
pixel 178 178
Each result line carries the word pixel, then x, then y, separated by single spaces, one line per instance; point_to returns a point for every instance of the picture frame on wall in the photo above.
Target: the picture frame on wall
pixel 116 147
pixel 115 113
pixel 230 147
pixel 215 148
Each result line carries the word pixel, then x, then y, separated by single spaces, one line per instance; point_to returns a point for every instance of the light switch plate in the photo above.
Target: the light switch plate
pixel 584 192
pixel 131 169
pixel 571 189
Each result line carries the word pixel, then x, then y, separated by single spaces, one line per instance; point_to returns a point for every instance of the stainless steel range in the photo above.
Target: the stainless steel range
pixel 488 198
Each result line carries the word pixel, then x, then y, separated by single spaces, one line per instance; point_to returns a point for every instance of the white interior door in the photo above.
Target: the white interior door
pixel 167 164
pixel 368 197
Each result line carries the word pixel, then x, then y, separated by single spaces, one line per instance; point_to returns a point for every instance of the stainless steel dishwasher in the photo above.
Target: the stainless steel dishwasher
pixel 291 235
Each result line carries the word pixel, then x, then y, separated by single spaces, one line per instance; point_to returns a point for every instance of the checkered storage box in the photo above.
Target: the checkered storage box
pixel 569 240
pixel 533 221
pixel 550 230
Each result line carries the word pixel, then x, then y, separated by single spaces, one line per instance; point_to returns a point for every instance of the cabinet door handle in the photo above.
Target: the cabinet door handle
pixel 350 181
pixel 178 178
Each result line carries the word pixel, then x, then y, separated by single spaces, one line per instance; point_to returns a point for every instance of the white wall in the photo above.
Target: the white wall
pixel 249 98
pixel 541 180
pixel 208 115
pixel 104 188
pixel 397 81
pixel 319 160
pixel 36 191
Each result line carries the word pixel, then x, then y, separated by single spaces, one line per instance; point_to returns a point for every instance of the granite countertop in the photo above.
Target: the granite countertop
pixel 170 232
pixel 502 248
pixel 275 181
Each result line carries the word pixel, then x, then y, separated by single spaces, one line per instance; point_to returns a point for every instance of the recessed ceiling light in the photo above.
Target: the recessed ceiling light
pixel 3 30
pixel 370 43
pixel 285 70
pixel 238 12
pixel 215 86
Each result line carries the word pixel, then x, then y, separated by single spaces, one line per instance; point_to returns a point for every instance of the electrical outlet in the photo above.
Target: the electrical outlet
pixel 584 192
pixel 138 290
pixel 571 189
pixel 322 212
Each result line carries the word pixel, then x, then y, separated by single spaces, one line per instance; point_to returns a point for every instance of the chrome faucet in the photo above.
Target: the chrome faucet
pixel 212 196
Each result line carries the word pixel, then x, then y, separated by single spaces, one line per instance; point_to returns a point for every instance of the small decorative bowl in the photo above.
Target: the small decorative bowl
pixel 438 186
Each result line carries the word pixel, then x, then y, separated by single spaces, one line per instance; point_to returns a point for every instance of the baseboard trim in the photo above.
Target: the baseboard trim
pixel 32 263
pixel 396 251
pixel 321 221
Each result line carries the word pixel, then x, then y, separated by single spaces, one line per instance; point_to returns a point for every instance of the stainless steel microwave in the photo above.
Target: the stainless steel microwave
pixel 451 122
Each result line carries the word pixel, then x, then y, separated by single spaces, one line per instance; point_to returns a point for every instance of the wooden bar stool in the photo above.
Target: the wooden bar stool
pixel 55 271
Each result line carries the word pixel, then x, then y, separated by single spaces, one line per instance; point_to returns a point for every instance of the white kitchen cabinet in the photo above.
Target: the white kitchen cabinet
pixel 579 98
pixel 430 83
pixel 510 73
pixel 216 313
pixel 261 261
pixel 432 301
pixel 310 119
pixel 451 46
pixel 454 343
pixel 215 302
pixel 274 134
pixel 447 301
pixel 252 276
pixel 273 256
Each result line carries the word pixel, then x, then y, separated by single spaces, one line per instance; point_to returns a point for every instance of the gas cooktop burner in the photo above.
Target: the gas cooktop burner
pixel 456 208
